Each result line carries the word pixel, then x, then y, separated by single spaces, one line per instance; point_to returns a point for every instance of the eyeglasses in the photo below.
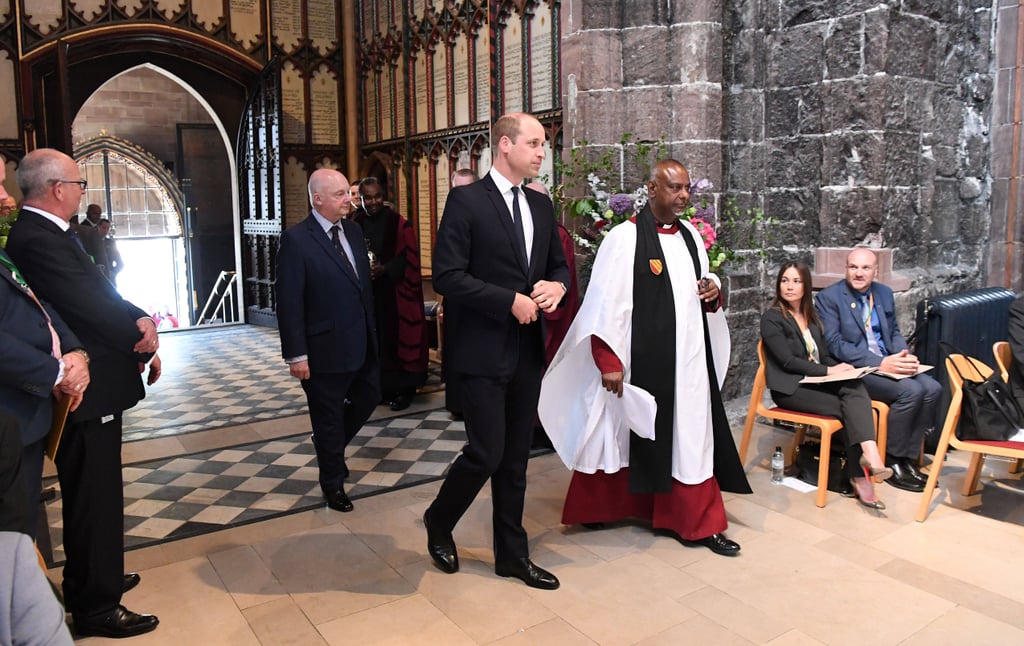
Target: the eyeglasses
pixel 81 182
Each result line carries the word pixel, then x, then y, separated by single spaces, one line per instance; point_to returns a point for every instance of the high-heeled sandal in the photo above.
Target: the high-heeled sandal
pixel 883 473
pixel 875 504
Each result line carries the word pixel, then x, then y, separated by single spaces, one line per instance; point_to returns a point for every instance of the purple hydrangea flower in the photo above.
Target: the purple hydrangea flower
pixel 700 186
pixel 620 203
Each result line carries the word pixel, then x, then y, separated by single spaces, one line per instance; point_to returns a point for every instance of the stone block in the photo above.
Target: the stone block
pixel 854 159
pixel 696 53
pixel 938 10
pixel 849 216
pixel 946 210
pixel 796 55
pixel 948 116
pixel 911 47
pixel 744 117
pixel 602 114
pixel 745 59
pixel 599 63
pixel 745 168
pixel 646 111
pixel 876 40
pixel 793 13
pixel 794 162
pixel 799 205
pixel 649 57
pixel 856 104
pixel 701 158
pixel 794 111
pixel 681 11
pixel 902 159
pixel 696 112
pixel 945 160
pixel 601 14
pixel 908 104
pixel 639 13
pixel 843 48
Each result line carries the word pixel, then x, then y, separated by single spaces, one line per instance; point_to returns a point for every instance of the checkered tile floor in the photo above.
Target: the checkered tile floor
pixel 193 494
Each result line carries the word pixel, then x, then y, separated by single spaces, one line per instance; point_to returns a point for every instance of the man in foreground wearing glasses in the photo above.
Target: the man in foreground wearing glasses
pixel 120 338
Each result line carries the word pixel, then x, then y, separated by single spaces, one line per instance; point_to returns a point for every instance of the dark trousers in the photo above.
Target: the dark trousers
pixel 89 471
pixel 847 400
pixel 339 405
pixel 14 502
pixel 499 413
pixel 913 409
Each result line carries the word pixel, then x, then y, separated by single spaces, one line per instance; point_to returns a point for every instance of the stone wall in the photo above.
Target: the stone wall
pixel 848 122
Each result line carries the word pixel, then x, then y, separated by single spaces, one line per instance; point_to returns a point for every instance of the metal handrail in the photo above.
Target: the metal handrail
pixel 225 281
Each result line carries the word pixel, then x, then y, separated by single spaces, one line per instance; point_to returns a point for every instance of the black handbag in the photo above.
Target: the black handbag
pixel 807 460
pixel 988 412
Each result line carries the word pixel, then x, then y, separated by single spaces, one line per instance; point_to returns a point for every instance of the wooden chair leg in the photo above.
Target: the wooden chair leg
pixel 1016 465
pixel 952 417
pixel 824 454
pixel 799 433
pixel 748 430
pixel 973 474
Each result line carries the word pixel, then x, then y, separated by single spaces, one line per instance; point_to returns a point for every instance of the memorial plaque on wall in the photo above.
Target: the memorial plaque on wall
pixel 440 61
pixel 401 109
pixel 293 105
pixel 420 77
pixel 371 97
pixel 369 22
pixel 443 182
pixel 8 109
pixel 323 100
pixel 286 23
pixel 423 204
pixel 245 22
pixel 460 79
pixel 296 197
pixel 482 76
pixel 512 65
pixel 542 69
pixel 322 24
pixel 386 102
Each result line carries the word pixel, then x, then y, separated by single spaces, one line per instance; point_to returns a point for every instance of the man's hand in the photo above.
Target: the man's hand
pixel 155 370
pixel 547 295
pixel 76 375
pixel 901 363
pixel 376 269
pixel 149 341
pixel 299 370
pixel 612 382
pixel 524 309
pixel 707 290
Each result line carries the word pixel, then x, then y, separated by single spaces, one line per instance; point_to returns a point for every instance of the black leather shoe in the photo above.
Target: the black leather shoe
pixel 401 402
pixel 911 467
pixel 338 501
pixel 719 544
pixel 441 547
pixel 130 581
pixel 524 570
pixel 119 622
pixel 903 479
pixel 593 525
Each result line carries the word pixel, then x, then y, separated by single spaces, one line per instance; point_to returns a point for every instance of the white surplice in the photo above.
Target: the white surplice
pixel 574 408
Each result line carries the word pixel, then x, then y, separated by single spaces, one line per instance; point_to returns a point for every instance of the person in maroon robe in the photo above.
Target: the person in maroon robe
pixel 397 293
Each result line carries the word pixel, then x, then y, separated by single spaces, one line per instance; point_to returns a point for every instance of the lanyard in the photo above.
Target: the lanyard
pixel 867 316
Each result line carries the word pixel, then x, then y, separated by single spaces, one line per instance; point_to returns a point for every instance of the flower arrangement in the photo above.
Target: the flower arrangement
pixel 8 214
pixel 701 213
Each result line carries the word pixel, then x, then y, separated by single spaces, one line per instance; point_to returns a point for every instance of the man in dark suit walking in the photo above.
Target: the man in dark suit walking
pixel 325 319
pixel 119 338
pixel 499 263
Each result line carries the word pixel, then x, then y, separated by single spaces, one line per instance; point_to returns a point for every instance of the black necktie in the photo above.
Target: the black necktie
pixel 336 240
pixel 78 241
pixel 517 221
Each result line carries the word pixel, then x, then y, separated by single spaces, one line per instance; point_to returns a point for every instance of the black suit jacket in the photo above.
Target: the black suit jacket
pixel 479 272
pixel 27 366
pixel 786 355
pixel 63 275
pixel 323 310
pixel 1015 334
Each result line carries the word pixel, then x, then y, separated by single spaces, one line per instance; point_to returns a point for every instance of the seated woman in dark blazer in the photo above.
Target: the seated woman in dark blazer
pixel 795 348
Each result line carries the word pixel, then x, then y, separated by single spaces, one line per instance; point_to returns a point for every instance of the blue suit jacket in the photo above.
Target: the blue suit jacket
pixel 323 310
pixel 27 366
pixel 838 306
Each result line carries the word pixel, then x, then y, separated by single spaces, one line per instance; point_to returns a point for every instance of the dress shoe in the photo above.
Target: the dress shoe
pixel 593 525
pixel 524 570
pixel 441 547
pixel 865 491
pixel 719 544
pixel 338 501
pixel 400 402
pixel 902 479
pixel 882 473
pixel 119 622
pixel 911 466
pixel 130 581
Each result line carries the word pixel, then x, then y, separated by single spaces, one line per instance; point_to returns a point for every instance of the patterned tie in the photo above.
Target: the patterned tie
pixel 517 221
pixel 336 241
pixel 869 330
pixel 9 264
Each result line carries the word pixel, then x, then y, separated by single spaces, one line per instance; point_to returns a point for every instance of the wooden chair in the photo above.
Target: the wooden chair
pixel 826 425
pixel 1004 358
pixel 948 438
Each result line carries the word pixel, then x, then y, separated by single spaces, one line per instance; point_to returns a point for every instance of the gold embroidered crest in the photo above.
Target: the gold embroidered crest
pixel 656 266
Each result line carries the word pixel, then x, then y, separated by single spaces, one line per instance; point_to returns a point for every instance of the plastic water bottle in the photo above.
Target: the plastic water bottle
pixel 778 465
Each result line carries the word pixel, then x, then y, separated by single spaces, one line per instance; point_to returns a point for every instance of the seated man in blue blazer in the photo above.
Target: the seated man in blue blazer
pixel 859 317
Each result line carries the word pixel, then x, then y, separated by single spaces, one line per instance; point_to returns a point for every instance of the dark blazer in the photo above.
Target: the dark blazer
pixel 62 274
pixel 1015 334
pixel 839 308
pixel 786 360
pixel 323 310
pixel 479 271
pixel 27 366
